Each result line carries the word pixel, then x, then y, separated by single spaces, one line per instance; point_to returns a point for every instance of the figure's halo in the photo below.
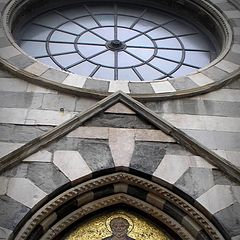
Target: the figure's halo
pixel 117 215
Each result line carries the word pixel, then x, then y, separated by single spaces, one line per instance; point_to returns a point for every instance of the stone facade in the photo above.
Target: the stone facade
pixel 172 153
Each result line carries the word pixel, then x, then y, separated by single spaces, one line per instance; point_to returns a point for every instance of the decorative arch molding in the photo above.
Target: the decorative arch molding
pixel 90 196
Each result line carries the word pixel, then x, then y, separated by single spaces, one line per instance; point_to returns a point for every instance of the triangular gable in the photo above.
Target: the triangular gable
pixel 128 106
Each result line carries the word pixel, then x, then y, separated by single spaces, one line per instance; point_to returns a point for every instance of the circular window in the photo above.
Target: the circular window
pixel 117 41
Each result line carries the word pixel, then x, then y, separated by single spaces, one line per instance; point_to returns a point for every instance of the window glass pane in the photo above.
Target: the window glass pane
pixel 75 12
pixel 197 58
pixel 165 66
pixel 87 22
pixel 159 33
pixel 105 73
pixel 48 61
pixel 105 20
pixel 124 33
pixel 34 48
pixel 106 58
pixel 35 32
pixel 61 48
pixel 170 54
pixel 178 27
pixel 101 8
pixel 144 25
pixel 89 37
pixel 148 72
pixel 86 32
pixel 84 68
pixel 129 10
pixel 168 43
pixel 142 53
pixel 127 74
pixel 68 59
pixel 63 37
pixel 105 32
pixel 125 21
pixel 90 51
pixel 154 16
pixel 71 27
pixel 126 60
pixel 183 71
pixel 50 19
pixel 140 41
pixel 195 42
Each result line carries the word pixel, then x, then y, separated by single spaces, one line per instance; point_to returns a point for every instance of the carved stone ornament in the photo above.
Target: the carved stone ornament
pixel 83 194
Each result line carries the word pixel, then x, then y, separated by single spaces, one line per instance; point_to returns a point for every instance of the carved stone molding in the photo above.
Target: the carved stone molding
pixel 93 205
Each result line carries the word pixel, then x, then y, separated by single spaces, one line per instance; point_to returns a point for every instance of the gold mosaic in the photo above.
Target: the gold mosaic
pixel 117 225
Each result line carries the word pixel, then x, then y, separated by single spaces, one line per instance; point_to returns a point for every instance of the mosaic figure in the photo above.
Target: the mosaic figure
pixel 119 227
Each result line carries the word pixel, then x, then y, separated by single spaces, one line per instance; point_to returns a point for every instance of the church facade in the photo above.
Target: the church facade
pixel 162 157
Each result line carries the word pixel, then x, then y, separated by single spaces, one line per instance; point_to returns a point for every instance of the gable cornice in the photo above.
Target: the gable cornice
pixel 182 138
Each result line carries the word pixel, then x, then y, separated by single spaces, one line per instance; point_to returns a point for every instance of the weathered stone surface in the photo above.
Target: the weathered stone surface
pixel 221 179
pixel 21 61
pixel 11 212
pixel 140 87
pixel 197 107
pixel 230 218
pixel 119 85
pixel 228 66
pixel 25 191
pixel 152 136
pixel 46 176
pixel 162 87
pixel 217 198
pixel 90 132
pixel 4 233
pixel 54 75
pixel 96 85
pixel 119 108
pixel 75 80
pixel 183 83
pixel 215 73
pixel 21 133
pixel 40 156
pixel 216 140
pixel 19 171
pixel 121 143
pixel 172 167
pixel 200 79
pixel 83 104
pixel 6 148
pixel 58 101
pixel 117 120
pixel 8 84
pixel 20 100
pixel 37 68
pixel 71 164
pixel 147 156
pixel 8 52
pixel 97 154
pixel 196 181
pixel 3 185
pixel 47 117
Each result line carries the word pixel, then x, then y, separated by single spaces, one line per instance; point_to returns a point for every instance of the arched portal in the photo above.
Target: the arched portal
pixel 119 190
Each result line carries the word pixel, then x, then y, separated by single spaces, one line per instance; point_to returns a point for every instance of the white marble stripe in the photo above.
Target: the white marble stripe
pixel 6 148
pixel 33 116
pixel 25 191
pixel 71 164
pixel 217 198
pixel 223 95
pixel 210 123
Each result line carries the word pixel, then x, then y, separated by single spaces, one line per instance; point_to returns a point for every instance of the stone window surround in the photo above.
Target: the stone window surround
pixel 222 70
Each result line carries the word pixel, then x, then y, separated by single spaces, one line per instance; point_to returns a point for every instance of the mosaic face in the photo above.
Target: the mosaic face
pixel 118 225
